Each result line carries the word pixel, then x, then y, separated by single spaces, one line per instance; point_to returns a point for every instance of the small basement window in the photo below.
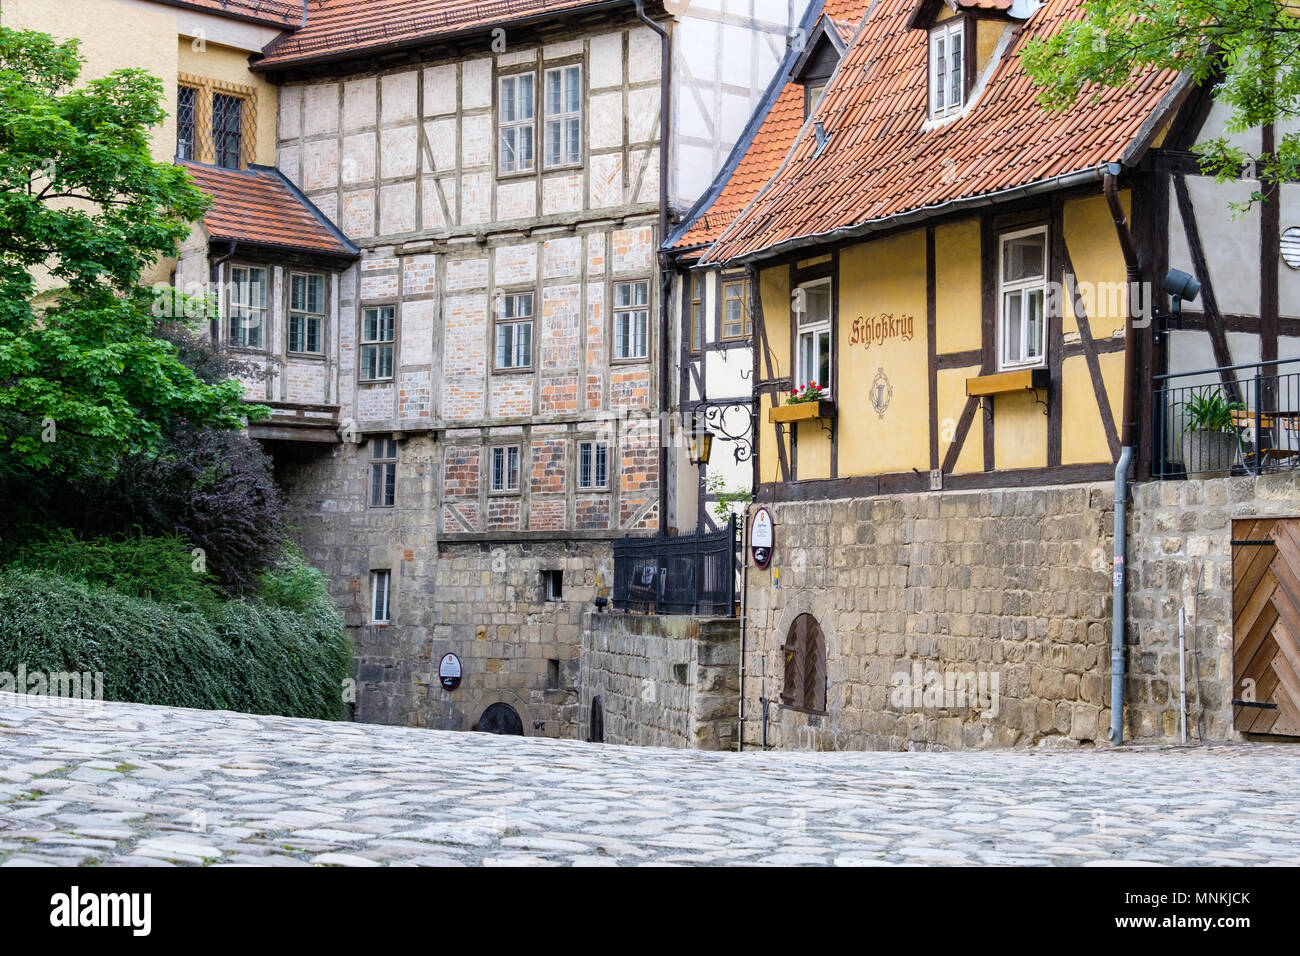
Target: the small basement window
pixel 553 585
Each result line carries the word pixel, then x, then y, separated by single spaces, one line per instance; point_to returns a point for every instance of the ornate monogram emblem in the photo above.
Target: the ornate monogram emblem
pixel 880 392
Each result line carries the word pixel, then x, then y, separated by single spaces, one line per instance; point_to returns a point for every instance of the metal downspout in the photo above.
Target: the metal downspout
pixel 1118 604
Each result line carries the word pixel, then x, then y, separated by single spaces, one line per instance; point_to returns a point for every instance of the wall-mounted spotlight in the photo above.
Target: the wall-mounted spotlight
pixel 1180 286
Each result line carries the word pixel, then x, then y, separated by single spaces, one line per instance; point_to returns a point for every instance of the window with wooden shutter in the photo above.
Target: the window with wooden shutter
pixel 805 666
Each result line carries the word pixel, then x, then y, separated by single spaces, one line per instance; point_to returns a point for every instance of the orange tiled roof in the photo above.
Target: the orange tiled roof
pixel 880 163
pixel 280 13
pixel 337 28
pixel 770 143
pixel 261 207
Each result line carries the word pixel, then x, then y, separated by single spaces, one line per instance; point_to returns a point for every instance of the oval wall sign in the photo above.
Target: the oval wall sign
pixel 762 537
pixel 449 671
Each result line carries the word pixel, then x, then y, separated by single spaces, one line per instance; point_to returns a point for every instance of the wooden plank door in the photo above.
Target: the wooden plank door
pixel 1266 626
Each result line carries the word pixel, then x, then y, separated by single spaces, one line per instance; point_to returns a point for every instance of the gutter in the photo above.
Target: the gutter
pixel 1080 177
pixel 1118 603
pixel 665 276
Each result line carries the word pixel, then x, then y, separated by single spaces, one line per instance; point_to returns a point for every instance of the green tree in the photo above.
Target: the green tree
pixel 1248 49
pixel 84 379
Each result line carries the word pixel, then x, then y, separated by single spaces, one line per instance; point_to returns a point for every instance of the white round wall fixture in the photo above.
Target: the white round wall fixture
pixel 1291 247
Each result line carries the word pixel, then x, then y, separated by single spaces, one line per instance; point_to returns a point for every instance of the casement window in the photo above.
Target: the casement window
pixel 381 597
pixel 736 323
pixel 948 68
pixel 804 685
pixel 593 465
pixel 631 319
pixel 563 116
pixel 514 332
pixel 378 333
pixel 697 312
pixel 383 473
pixel 505 468
pixel 517 123
pixel 186 119
pixel 216 121
pixel 1022 271
pixel 247 307
pixel 306 312
pixel 227 130
pixel 813 349
pixel 553 585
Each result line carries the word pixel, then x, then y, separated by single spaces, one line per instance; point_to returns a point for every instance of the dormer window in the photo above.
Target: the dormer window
pixel 948 69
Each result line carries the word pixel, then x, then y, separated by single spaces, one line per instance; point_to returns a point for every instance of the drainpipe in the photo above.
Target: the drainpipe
pixel 665 276
pixel 1110 188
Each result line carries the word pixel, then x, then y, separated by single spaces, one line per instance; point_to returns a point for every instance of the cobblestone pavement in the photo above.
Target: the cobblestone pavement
pixel 127 784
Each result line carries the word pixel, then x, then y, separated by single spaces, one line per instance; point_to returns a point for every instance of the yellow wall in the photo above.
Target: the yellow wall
pixel 887 276
pixel 879 280
pixel 116 34
pixel 223 64
pixel 113 35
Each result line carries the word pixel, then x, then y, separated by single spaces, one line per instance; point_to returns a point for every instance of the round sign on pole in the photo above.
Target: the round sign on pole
pixel 449 671
pixel 761 538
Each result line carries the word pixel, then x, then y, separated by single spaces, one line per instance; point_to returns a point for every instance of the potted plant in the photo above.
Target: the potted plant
pixel 812 392
pixel 1209 439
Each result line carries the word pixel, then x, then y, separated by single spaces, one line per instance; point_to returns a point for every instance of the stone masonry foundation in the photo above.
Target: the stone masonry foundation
pixel 661 681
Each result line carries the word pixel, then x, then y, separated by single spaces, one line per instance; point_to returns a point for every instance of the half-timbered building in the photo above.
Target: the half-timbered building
pixel 977 289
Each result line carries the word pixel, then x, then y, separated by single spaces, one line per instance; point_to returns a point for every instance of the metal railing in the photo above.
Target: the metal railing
pixel 685 574
pixel 1258 421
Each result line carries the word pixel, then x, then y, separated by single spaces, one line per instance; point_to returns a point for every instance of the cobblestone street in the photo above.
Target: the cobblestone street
pixel 127 784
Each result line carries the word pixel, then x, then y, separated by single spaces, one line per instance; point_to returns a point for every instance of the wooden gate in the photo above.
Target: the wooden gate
pixel 1266 626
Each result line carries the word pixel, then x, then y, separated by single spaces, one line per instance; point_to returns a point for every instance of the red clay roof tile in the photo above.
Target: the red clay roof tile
pixel 281 13
pixel 881 162
pixel 337 28
pixel 770 144
pixel 259 206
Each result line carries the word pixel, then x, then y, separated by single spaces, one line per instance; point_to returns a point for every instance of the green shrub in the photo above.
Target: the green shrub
pixel 159 569
pixel 293 583
pixel 235 655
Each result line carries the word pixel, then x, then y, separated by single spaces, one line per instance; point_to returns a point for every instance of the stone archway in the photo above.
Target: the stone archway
pixel 500 718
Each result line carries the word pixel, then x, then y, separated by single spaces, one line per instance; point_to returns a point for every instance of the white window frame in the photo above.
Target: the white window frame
pixel 524 128
pixel 940 69
pixel 814 330
pixel 510 320
pixel 593 465
pixel 307 314
pixel 631 340
pixel 1019 288
pixel 381 597
pixel 559 122
pixel 376 345
pixel 247 313
pixel 504 467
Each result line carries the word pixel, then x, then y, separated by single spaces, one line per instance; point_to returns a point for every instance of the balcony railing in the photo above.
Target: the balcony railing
pixel 684 574
pixel 1256 427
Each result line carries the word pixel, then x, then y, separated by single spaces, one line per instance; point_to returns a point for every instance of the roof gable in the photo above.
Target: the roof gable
pixel 260 207
pixel 882 162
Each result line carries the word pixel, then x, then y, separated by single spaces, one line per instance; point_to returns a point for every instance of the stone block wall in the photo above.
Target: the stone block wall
pixel 951 620
pixel 1005 586
pixel 1180 550
pixel 662 681
pixel 484 602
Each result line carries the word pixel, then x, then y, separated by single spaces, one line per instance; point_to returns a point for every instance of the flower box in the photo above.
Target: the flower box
pixel 801 412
